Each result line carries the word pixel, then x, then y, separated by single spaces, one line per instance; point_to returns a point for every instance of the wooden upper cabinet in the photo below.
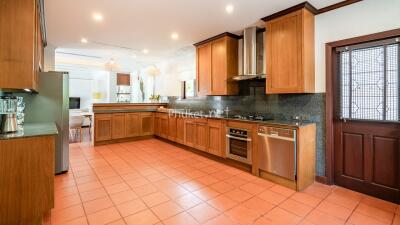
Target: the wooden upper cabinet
pixel 118 125
pixel 289 53
pixel 204 70
pixel 217 62
pixel 102 123
pixel 146 124
pixel 132 124
pixel 21 44
pixel 123 79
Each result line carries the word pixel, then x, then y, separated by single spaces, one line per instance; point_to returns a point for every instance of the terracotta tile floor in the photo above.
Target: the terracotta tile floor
pixel 153 182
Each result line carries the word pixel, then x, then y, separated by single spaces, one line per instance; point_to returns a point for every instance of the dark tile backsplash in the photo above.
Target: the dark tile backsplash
pixel 253 101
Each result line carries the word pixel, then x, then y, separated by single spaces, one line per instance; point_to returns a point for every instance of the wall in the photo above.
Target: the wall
pixel 362 18
pixel 179 66
pixel 309 106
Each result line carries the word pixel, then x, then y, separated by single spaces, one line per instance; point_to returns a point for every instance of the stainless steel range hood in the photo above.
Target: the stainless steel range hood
pixel 251 55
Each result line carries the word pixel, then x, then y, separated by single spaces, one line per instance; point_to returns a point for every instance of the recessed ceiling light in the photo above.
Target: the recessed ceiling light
pixel 229 8
pixel 145 51
pixel 97 17
pixel 175 36
pixel 84 40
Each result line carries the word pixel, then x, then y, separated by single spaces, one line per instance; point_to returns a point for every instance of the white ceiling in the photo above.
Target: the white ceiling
pixel 139 24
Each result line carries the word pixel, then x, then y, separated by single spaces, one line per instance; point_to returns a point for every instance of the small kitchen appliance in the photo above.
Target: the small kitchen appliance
pixel 8 113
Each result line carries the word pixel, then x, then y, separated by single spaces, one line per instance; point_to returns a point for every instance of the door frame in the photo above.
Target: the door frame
pixel 331 71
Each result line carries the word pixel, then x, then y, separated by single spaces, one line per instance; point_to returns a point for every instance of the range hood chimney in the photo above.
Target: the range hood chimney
pixel 251 55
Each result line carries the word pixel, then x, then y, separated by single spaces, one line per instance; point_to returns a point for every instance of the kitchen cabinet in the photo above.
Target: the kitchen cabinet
pixel 164 126
pixel 216 138
pixel 289 53
pixel 180 130
pixel 146 123
pixel 123 79
pixel 27 179
pixel 190 132
pixel 172 128
pixel 217 62
pixel 102 123
pixel 201 132
pixel 157 124
pixel 132 124
pixel 22 43
pixel 118 126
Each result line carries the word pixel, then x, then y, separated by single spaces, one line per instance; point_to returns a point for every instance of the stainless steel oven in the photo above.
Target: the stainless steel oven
pixel 238 145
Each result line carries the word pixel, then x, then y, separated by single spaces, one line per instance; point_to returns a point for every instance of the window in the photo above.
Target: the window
pixel 188 89
pixel 369 76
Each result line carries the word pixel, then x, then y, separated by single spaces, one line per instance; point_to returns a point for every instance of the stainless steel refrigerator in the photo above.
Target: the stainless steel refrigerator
pixel 51 104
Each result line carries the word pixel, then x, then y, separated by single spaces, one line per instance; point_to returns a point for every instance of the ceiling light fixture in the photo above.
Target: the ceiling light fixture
pixel 229 8
pixel 97 17
pixel 174 36
pixel 84 40
pixel 145 51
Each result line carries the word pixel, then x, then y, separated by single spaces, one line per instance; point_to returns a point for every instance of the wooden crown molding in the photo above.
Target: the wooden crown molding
pixel 226 34
pixel 305 5
pixel 310 8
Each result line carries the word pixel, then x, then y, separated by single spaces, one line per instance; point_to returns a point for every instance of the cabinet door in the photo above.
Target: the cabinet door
pixel 18 44
pixel 102 123
pixel 204 70
pixel 283 53
pixel 118 125
pixel 201 136
pixel 172 128
pixel 190 132
pixel 219 67
pixel 146 124
pixel 157 125
pixel 180 130
pixel 164 126
pixel 215 137
pixel 132 124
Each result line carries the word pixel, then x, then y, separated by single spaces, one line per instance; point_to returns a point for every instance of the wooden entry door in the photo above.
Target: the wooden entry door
pixel 367 114
pixel 367 158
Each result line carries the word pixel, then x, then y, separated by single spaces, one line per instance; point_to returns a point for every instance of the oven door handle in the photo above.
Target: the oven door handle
pixel 238 138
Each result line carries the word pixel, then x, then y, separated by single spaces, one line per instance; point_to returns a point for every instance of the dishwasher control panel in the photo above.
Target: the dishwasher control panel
pixel 276 131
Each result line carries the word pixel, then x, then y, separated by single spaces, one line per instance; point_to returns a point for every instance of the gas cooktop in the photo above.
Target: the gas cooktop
pixel 252 117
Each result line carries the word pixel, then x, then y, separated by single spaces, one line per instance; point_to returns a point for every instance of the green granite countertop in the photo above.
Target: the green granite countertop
pixel 123 110
pixel 32 130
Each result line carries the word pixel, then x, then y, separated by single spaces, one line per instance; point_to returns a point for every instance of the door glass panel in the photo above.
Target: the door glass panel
pixel 369 79
pixel 238 147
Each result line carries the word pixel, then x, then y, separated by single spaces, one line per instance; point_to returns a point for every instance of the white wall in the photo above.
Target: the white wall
pixel 362 18
pixel 179 67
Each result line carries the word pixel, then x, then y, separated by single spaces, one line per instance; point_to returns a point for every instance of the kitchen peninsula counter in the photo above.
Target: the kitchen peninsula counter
pixel 118 122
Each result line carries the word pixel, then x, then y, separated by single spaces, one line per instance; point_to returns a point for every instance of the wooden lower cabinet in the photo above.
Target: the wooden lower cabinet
pixel 216 138
pixel 172 128
pixel 164 126
pixel 146 124
pixel 201 141
pixel 118 126
pixel 180 130
pixel 132 124
pixel 157 125
pixel 27 179
pixel 102 124
pixel 190 132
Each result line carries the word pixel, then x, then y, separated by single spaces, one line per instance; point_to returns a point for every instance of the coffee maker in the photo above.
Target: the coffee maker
pixel 8 114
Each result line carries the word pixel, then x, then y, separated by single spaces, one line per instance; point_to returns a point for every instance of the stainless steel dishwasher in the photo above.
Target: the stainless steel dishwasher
pixel 277 151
